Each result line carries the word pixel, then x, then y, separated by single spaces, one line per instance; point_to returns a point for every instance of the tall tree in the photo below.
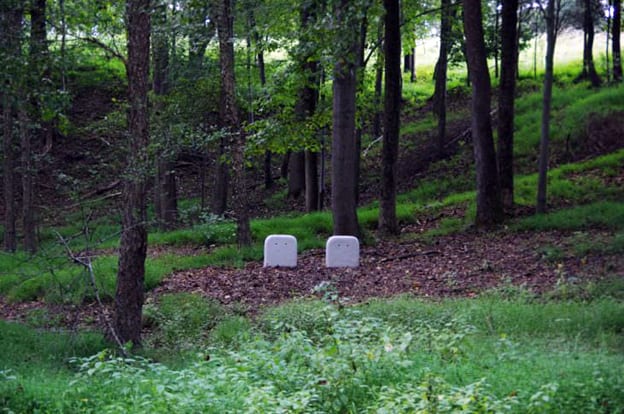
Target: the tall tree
pixel 165 189
pixel 615 40
pixel 507 91
pixel 551 15
pixel 489 205
pixel 343 119
pixel 392 118
pixel 447 12
pixel 308 98
pixel 230 119
pixel 133 245
pixel 11 16
pixel 589 69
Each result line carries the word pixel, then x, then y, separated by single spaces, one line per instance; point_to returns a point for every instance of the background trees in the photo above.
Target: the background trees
pixel 233 82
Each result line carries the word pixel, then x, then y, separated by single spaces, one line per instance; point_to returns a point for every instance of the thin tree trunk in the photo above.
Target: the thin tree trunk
pixel 551 37
pixel 379 66
pixel 165 190
pixel 489 206
pixel 388 223
pixel 446 14
pixel 506 98
pixel 133 246
pixel 360 87
pixel 28 209
pixel 218 202
pixel 615 41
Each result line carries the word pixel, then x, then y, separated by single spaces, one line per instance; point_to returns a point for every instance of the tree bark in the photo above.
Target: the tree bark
pixel 551 38
pixel 589 69
pixel 379 69
pixel 343 119
pixel 133 246
pixel 29 227
pixel 388 223
pixel 506 98
pixel 11 15
pixel 446 14
pixel 165 189
pixel 296 174
pixel 229 116
pixel 8 178
pixel 489 206
pixel 615 40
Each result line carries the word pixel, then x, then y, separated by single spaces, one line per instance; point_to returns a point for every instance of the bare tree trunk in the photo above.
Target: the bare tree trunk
pixel 165 189
pixel 218 202
pixel 10 234
pixel 439 95
pixel 489 206
pixel 133 246
pixel 551 38
pixel 228 113
pixel 589 69
pixel 296 174
pixel 388 223
pixel 11 15
pixel 28 214
pixel 379 67
pixel 615 40
pixel 343 132
pixel 506 98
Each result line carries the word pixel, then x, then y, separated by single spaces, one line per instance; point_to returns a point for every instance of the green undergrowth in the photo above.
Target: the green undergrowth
pixel 501 352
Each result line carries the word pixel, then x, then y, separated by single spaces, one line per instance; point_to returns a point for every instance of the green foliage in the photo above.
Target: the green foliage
pixel 490 354
pixel 181 321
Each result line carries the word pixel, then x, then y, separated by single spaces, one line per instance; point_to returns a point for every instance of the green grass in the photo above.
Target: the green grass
pixel 499 353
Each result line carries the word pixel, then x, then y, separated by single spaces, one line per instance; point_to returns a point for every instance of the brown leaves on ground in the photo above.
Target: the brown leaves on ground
pixel 457 265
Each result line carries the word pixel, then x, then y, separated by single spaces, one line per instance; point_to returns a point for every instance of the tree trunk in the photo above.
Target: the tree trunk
pixel 199 37
pixel 379 67
pixel 133 245
pixel 589 69
pixel 439 95
pixel 361 49
pixel 392 118
pixel 28 172
pixel 551 38
pixel 311 181
pixel 343 119
pixel 506 98
pixel 615 40
pixel 296 174
pixel 10 234
pixel 229 116
pixel 165 190
pixel 218 202
pixel 11 15
pixel 489 206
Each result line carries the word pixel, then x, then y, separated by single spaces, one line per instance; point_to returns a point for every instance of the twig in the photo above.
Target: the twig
pixel 409 255
pixel 376 140
pixel 85 261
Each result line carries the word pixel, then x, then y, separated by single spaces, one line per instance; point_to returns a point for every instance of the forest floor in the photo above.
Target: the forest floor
pixel 459 265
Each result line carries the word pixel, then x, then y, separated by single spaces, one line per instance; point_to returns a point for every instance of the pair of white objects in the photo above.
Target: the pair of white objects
pixel 340 251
